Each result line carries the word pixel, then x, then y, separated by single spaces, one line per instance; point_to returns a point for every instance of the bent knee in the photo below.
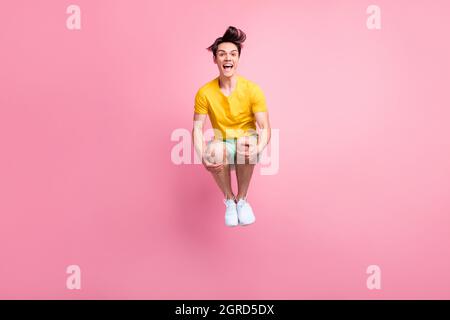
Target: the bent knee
pixel 217 151
pixel 223 168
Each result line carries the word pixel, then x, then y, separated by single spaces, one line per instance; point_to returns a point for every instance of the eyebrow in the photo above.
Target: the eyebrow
pixel 225 51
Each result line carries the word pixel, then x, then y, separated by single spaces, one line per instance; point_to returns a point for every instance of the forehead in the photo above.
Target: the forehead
pixel 227 46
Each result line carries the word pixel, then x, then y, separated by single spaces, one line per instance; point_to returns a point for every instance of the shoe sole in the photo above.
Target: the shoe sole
pixel 231 225
pixel 246 224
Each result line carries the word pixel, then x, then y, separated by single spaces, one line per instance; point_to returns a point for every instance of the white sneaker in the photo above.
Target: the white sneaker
pixel 245 212
pixel 231 218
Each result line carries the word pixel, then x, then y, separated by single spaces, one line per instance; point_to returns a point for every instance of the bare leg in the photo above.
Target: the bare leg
pixel 243 174
pixel 223 178
pixel 244 171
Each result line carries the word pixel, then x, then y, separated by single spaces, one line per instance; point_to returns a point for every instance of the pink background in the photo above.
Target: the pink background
pixel 87 179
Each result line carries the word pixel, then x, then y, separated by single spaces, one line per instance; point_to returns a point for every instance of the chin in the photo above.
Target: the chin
pixel 228 75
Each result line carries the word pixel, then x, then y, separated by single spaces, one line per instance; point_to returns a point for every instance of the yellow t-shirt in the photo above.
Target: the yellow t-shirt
pixel 232 116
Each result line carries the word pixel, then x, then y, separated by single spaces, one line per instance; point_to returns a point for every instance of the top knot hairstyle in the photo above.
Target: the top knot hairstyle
pixel 233 35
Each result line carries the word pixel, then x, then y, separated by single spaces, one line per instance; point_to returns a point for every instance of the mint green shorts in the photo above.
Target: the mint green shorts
pixel 231 151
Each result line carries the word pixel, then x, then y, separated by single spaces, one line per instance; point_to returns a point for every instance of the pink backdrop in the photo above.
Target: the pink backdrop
pixel 87 179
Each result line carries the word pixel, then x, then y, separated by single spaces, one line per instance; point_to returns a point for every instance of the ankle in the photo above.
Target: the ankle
pixel 232 197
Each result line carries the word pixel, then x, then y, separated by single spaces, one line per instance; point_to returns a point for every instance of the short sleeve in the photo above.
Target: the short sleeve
pixel 258 100
pixel 201 104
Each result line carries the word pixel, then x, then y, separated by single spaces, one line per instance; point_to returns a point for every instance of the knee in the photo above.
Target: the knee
pixel 221 153
pixel 216 152
pixel 221 170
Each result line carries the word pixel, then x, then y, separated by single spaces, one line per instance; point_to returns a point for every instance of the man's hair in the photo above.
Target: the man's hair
pixel 232 35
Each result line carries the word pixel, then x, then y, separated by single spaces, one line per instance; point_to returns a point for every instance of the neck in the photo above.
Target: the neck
pixel 227 82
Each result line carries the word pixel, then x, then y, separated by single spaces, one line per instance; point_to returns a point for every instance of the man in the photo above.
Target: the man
pixel 233 104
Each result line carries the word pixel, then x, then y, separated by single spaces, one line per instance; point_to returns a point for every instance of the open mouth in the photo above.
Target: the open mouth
pixel 227 66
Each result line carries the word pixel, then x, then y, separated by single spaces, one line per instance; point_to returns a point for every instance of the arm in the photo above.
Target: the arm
pixel 197 134
pixel 262 119
pixel 199 143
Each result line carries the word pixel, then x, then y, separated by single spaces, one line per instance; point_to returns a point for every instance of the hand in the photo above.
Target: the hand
pixel 211 157
pixel 210 166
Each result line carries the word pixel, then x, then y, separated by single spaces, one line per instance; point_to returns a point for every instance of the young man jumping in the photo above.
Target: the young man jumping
pixel 233 104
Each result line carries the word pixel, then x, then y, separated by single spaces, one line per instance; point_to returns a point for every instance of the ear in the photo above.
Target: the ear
pixel 214 60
